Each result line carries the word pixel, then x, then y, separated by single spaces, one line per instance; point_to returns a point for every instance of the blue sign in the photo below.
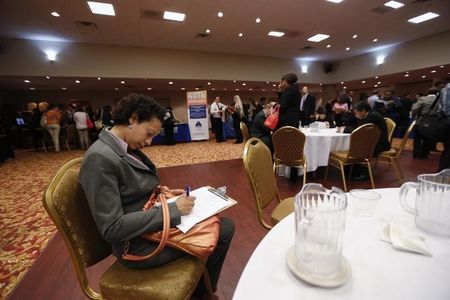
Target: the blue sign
pixel 197 111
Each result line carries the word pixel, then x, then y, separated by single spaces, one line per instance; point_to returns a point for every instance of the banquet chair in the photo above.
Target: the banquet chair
pixel 390 128
pixel 288 143
pixel 65 202
pixel 258 167
pixel 391 156
pixel 362 145
pixel 244 130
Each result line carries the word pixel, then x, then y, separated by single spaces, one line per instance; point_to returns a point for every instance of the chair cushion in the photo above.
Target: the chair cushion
pixel 175 280
pixel 339 155
pixel 283 209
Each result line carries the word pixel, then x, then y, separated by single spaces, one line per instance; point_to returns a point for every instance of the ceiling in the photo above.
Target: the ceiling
pixel 140 23
pixel 142 84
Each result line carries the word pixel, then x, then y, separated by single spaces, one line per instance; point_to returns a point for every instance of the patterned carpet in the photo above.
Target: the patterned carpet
pixel 25 228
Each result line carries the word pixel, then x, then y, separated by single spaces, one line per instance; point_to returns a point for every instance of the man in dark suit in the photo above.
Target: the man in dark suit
pixel 261 131
pixel 365 115
pixel 307 107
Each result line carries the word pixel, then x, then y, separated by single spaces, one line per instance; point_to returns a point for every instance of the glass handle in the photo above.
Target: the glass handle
pixel 404 192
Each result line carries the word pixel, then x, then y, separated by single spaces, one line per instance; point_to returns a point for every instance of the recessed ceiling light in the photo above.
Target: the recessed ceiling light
pixel 441 67
pixel 258 20
pixel 375 40
pixel 348 48
pixel 318 37
pixel 170 82
pixel 48 77
pixel 244 84
pixel 363 81
pixel 196 88
pixel 267 82
pixel 376 77
pixel 355 36
pixel 209 83
pixel 183 89
pixel 328 46
pixel 423 76
pixel 77 81
pixel 236 90
pixel 32 88
pixel 320 84
pixel 149 89
pixel 276 33
pixel 240 34
pixel 208 31
pixel 433 71
pixel 335 1
pixel 213 89
pixel 406 75
pixel 234 81
pixel 174 16
pixel 394 4
pixel 99 78
pixel 122 82
pixel 376 85
pixel 274 84
pixel 101 8
pixel 116 89
pixel 220 14
pixel 64 88
pixel 342 82
pixel 423 18
pixel 448 73
pixel 407 72
pixel 26 81
pixel 224 89
pixel 263 90
pixel 250 89
pixel 379 82
pixel 345 87
pixel 55 14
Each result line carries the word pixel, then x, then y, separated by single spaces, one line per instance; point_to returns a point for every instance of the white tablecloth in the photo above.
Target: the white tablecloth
pixel 378 270
pixel 318 146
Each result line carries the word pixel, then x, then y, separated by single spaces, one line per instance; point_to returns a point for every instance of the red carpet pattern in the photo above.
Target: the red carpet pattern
pixel 25 227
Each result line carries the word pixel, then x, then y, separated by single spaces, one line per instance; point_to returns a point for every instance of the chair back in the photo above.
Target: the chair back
pixel 258 167
pixel 244 130
pixel 390 124
pixel 65 202
pixel 363 141
pixel 405 138
pixel 288 143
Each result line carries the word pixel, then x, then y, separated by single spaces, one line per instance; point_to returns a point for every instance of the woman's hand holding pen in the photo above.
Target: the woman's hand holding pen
pixel 185 204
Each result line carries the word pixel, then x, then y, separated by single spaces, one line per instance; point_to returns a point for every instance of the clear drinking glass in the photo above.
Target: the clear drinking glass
pixel 320 223
pixel 363 202
pixel 432 202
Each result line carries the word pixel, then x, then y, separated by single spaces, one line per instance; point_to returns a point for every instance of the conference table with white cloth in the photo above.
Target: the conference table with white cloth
pixel 318 146
pixel 378 270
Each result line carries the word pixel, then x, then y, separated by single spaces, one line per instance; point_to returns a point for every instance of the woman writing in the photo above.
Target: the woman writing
pixel 118 178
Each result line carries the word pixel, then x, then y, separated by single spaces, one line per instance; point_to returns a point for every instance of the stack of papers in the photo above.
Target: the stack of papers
pixel 404 239
pixel 207 204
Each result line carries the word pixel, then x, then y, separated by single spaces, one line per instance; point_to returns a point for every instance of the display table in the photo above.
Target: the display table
pixel 378 270
pixel 181 133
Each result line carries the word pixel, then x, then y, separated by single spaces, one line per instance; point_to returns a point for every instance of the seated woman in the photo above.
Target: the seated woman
pixel 327 118
pixel 340 110
pixel 118 178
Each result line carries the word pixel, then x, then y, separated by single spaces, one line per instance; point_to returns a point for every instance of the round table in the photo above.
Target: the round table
pixel 378 270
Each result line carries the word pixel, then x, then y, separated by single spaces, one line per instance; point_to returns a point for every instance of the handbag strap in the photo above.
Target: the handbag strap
pixel 435 102
pixel 165 231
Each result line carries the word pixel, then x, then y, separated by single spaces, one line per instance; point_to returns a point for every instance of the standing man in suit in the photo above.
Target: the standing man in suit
pixel 217 111
pixel 307 107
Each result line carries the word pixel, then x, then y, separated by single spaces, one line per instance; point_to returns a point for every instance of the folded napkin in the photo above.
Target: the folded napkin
pixel 404 239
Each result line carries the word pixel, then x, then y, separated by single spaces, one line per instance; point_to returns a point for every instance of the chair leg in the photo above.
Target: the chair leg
pixel 350 173
pixel 343 176
pixel 397 168
pixel 305 169
pixel 376 162
pixel 370 174
pixel 326 171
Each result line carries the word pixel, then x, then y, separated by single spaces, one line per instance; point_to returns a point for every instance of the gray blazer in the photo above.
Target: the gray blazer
pixel 116 188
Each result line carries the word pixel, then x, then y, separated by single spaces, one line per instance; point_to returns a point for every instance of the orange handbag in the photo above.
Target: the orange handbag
pixel 199 241
pixel 272 120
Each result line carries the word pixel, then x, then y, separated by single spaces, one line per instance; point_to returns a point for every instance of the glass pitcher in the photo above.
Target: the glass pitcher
pixel 320 223
pixel 432 203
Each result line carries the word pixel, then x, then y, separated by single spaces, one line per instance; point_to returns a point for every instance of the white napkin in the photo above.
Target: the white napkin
pixel 404 239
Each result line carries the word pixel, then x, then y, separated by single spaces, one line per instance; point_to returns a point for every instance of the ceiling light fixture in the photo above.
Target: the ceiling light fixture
pixel 328 46
pixel 304 69
pixel 376 85
pixel 51 55
pixel 276 33
pixel 244 84
pixel 116 89
pixel 376 77
pixel 342 82
pixel 220 14
pixel 441 67
pixel 363 81
pixel 423 18
pixel 55 14
pixel 379 82
pixel 423 76
pixel 335 1
pixel 208 31
pixel 240 34
pixel 209 83
pixel 26 81
pixel 433 71
pixel 48 77
pixel 100 8
pixel 318 37
pixel 380 59
pixel 394 4
pixel 355 36
pixel 345 87
pixel 196 88
pixel 174 16
pixel 64 88
pixel 406 75
pixel 375 40
pixel 122 82
pixel 170 82
pixel 32 88
pixel 99 78
pixel 234 81
pixel 77 81
pixel 213 89
pixel 149 89
pixel 258 20
pixel 274 84
pixel 348 48
pixel 183 88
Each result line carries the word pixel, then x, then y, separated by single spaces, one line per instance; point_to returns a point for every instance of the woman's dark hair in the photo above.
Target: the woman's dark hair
pixel 291 78
pixel 142 107
pixel 362 106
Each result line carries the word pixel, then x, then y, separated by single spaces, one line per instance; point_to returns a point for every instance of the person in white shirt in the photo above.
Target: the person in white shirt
pixel 217 110
pixel 80 118
pixel 373 99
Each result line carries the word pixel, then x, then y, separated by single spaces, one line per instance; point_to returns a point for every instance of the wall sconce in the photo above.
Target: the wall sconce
pixel 380 60
pixel 51 55
pixel 304 69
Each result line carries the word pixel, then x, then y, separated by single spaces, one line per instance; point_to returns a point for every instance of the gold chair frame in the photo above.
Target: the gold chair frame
pixel 390 124
pixel 244 130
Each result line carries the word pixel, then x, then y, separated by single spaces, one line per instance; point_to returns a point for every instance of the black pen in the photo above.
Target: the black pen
pixel 187 190
pixel 218 194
